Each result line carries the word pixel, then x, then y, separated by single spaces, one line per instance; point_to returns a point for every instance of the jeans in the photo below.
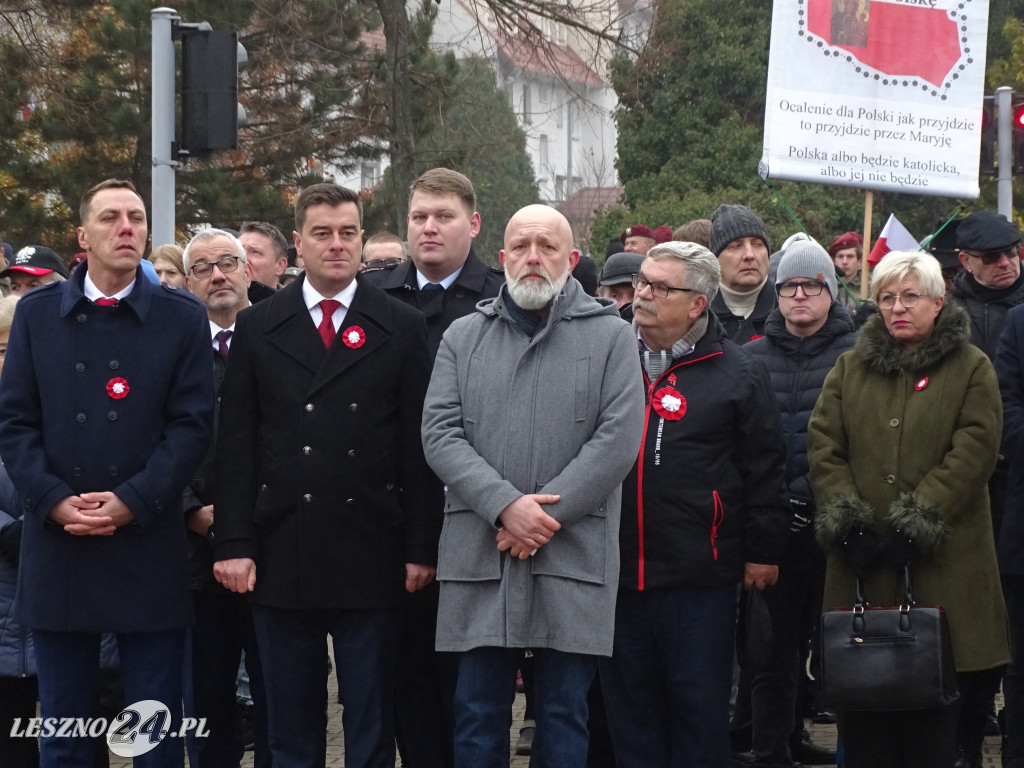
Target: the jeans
pixel 667 685
pixel 483 707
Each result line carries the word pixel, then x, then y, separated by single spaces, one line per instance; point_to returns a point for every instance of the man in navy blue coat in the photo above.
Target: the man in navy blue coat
pixel 105 409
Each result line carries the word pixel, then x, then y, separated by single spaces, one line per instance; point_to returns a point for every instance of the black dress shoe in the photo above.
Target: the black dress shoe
pixel 806 752
pixel 823 717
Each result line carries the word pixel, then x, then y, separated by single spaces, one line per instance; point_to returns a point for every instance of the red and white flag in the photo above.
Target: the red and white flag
pixel 893 237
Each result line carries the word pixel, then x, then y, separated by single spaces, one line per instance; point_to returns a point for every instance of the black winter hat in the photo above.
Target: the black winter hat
pixel 731 222
pixel 987 231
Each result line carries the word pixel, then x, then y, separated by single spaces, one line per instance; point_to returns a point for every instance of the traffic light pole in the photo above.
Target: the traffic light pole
pixel 161 224
pixel 1004 144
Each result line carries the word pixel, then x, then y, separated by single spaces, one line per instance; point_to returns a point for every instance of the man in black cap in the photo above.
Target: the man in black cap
pixel 991 282
pixel 35 265
pixel 740 241
pixel 989 286
pixel 616 281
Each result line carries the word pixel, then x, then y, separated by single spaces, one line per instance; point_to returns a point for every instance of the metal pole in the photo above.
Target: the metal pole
pixel 1004 143
pixel 161 226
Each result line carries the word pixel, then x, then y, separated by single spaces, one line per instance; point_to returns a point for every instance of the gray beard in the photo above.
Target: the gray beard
pixel 532 294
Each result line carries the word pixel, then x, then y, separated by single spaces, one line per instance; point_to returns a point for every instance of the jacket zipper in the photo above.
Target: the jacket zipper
pixel 640 469
pixel 716 520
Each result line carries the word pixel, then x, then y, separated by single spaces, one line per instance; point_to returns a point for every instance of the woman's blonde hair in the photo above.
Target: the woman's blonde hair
pixel 896 265
pixel 171 252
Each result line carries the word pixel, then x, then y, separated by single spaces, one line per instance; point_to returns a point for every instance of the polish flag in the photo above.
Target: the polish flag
pixel 893 237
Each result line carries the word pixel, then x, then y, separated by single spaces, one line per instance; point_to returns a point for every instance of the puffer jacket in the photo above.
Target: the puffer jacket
pixel 16 656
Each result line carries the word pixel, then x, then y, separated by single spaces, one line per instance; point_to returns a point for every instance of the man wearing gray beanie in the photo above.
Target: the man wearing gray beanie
pixel 740 241
pixel 803 338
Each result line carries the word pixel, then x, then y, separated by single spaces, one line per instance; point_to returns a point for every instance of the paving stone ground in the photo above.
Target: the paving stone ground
pixel 825 735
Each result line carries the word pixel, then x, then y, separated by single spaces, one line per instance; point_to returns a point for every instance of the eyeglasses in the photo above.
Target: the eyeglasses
pixel 658 290
pixel 204 269
pixel 810 288
pixel 380 264
pixel 992 257
pixel 908 299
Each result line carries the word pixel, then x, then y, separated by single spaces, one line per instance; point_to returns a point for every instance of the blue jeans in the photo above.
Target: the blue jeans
pixel 483 707
pixel 666 687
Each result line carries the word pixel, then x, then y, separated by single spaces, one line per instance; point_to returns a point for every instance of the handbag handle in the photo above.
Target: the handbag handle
pixel 908 590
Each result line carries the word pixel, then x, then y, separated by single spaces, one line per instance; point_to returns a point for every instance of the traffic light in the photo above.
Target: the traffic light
pixel 210 112
pixel 988 137
pixel 1018 135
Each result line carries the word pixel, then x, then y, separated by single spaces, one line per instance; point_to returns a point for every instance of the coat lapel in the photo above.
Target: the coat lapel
pixel 370 314
pixel 290 328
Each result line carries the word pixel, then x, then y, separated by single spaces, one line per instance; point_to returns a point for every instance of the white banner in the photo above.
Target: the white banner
pixel 877 94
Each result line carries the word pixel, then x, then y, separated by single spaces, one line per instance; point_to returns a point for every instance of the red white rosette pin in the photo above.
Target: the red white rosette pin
pixel 353 336
pixel 670 403
pixel 118 389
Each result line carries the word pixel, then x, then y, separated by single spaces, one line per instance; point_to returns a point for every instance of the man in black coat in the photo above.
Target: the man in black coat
pixel 740 241
pixel 443 278
pixel 217 272
pixel 803 338
pixel 326 509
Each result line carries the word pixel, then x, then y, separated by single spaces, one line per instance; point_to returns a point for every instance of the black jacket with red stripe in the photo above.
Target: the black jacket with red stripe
pixel 707 494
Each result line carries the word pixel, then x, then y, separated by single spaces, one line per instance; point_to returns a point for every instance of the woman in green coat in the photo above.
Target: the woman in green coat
pixel 901 444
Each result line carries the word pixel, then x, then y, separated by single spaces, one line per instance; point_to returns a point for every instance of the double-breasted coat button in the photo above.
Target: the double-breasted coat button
pixel 114 365
pixel 894 422
pixel 80 317
pixel 390 486
pixel 308 498
pixel 350 502
pixel 112 415
pixel 351 454
pixel 309 406
pixel 158 505
pixel 76 471
pixel 306 450
pixel 890 479
pixel 79 367
pixel 354 407
pixel 113 471
pixel 263 488
pixel 80 418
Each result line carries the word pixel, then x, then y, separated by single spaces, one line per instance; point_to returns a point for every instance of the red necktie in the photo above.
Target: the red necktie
pixel 106 302
pixel 326 327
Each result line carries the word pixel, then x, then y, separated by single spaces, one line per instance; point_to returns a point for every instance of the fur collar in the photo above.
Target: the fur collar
pixel 881 353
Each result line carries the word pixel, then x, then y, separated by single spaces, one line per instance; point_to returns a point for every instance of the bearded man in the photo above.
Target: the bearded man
pixel 532 419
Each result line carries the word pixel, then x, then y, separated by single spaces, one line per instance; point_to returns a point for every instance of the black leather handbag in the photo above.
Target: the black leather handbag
pixel 887 658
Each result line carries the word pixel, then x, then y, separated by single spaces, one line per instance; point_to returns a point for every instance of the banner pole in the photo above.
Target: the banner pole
pixel 869 204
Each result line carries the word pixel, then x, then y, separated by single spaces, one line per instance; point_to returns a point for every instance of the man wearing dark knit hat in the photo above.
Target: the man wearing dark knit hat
pixel 740 241
pixel 34 265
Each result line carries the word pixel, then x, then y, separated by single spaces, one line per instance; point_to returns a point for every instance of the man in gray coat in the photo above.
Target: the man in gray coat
pixel 532 419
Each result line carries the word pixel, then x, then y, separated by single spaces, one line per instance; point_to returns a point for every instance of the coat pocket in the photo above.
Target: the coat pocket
pixel 468 550
pixel 578 551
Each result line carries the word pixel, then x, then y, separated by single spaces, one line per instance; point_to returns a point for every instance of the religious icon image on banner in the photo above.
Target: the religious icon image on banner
pixel 850 22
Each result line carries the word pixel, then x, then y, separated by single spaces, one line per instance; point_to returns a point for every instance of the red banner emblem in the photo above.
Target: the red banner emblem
pixel 118 388
pixel 670 403
pixel 353 336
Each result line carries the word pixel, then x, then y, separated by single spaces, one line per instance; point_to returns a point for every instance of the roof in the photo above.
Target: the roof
pixel 529 51
pixel 582 204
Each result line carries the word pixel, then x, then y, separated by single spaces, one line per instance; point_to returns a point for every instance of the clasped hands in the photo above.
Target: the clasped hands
pixel 526 527
pixel 91 514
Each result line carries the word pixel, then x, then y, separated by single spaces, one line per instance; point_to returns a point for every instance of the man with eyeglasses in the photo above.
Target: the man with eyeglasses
pixel 990 285
pixel 383 250
pixel 803 338
pixel 217 272
pixel 703 510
